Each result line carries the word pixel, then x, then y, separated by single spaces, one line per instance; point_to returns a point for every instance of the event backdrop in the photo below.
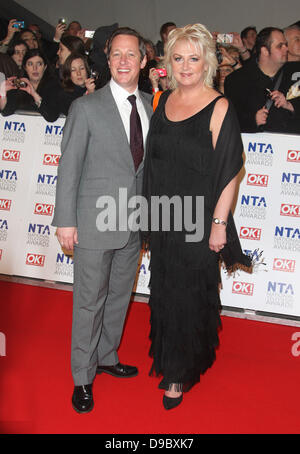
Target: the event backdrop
pixel 267 214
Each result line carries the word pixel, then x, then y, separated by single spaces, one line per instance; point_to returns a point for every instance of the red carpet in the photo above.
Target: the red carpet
pixel 253 386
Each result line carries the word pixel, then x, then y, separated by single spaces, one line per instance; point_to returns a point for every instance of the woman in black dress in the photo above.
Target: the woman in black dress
pixel 194 150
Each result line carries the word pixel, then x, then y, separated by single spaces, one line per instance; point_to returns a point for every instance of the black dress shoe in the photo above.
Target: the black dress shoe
pixel 119 370
pixel 82 399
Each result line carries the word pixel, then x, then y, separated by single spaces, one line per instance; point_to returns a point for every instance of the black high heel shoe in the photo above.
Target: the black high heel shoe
pixel 172 402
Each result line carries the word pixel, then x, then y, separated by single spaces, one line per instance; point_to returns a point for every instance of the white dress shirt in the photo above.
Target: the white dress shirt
pixel 120 95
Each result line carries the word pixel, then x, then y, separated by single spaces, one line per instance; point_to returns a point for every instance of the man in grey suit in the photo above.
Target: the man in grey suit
pixel 97 160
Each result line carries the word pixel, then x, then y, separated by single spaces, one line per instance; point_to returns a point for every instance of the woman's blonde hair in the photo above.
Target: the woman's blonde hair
pixel 199 36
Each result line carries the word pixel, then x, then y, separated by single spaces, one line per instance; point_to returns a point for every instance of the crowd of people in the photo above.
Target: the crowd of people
pixel 73 65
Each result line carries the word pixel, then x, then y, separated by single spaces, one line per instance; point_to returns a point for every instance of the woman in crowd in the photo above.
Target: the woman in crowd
pixel 194 149
pixel 30 39
pixel 144 81
pixel 76 81
pixel 158 77
pixel 36 92
pixel 68 44
pixel 229 62
pixel 17 49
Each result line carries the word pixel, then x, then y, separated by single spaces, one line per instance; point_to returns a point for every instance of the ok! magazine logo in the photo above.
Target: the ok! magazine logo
pixel 293 156
pixel 44 209
pixel 51 159
pixel 11 155
pixel 289 209
pixel 250 233
pixel 254 179
pixel 285 265
pixel 242 288
pixel 35 259
pixel 5 204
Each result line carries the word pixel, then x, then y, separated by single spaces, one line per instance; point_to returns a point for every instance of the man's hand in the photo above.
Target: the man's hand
pixel 280 101
pixel 67 237
pixel 261 116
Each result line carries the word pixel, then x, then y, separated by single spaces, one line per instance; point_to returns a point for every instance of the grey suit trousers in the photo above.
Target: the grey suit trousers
pixel 101 294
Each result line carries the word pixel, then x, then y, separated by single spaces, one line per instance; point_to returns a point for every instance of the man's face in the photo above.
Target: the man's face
pixel 293 39
pixel 73 28
pixel 250 39
pixel 278 51
pixel 166 34
pixel 125 61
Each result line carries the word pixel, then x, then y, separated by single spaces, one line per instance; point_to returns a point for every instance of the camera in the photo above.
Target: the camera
pixel 161 72
pixel 19 83
pixel 225 38
pixel 62 21
pixel 94 74
pixel 19 24
pixel 89 33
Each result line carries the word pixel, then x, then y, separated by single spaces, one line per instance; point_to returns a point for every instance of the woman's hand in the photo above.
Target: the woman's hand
pixel 60 29
pixel 28 88
pixel 217 238
pixel 154 78
pixel 31 91
pixel 10 31
pixel 9 84
pixel 90 85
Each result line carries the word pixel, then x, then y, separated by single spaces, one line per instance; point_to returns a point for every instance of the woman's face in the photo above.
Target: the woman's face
pixel 30 40
pixel 18 55
pixel 188 65
pixel 150 52
pixel 223 72
pixel 78 72
pixel 63 53
pixel 35 68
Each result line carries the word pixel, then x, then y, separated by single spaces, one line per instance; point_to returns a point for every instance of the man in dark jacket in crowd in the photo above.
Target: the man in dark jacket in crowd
pixel 265 91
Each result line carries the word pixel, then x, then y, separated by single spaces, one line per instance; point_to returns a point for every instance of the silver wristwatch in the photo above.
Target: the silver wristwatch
pixel 219 221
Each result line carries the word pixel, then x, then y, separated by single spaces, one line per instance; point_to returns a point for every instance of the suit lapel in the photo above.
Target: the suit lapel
pixel 149 111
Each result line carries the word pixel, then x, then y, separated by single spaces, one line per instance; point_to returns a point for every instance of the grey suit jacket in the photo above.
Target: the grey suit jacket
pixel 96 161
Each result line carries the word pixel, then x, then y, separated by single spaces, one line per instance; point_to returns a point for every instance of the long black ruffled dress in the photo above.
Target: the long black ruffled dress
pixel 185 276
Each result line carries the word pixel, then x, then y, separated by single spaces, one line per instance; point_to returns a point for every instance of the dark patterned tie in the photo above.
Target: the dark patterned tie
pixel 136 134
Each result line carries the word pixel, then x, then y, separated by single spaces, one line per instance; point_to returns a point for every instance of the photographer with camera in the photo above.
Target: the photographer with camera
pixel 76 81
pixel 36 92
